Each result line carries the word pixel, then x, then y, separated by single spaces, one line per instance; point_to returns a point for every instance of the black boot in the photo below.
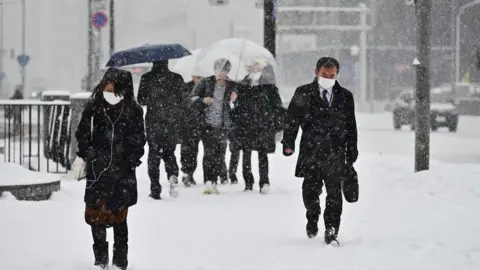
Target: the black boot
pixel 120 247
pixel 101 255
pixel 249 182
pixel 120 256
pixel 312 224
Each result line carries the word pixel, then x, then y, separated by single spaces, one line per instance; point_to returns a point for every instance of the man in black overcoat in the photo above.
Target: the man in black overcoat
pixel 326 113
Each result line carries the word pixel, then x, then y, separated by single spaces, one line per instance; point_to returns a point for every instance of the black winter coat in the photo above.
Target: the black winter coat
pixel 112 152
pixel 257 116
pixel 205 88
pixel 329 134
pixel 190 124
pixel 161 91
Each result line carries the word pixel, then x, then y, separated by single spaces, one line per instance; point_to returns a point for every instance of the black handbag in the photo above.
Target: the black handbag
pixel 350 186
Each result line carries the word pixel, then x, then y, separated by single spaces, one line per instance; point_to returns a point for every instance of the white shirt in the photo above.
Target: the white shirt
pixel 329 95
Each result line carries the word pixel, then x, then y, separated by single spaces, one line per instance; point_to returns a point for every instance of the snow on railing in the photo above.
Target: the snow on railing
pixel 32 102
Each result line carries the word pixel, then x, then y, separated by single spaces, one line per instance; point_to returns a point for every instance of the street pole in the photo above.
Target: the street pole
pixel 2 78
pixel 363 57
pixel 453 52
pixel 269 26
pixel 112 27
pixel 23 70
pixel 371 62
pixel 457 41
pixel 90 47
pixel 422 92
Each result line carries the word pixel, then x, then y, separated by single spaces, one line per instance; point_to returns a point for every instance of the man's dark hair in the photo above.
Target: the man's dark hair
pixel 328 62
pixel 222 64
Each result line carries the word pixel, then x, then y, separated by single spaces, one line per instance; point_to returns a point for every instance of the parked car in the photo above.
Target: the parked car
pixel 442 109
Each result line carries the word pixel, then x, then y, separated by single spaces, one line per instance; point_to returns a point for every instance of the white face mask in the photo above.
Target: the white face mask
pixel 112 98
pixel 326 83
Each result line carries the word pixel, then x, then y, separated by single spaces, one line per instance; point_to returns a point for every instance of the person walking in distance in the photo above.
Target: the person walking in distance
pixel 258 115
pixel 161 91
pixel 191 134
pixel 326 113
pixel 212 99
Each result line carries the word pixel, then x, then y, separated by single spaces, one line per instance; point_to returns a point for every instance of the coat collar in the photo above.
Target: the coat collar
pixel 336 90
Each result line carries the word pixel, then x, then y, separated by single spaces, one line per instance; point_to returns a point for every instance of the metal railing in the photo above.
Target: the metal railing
pixel 36 134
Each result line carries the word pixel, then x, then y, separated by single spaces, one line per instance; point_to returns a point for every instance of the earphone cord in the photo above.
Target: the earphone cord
pixel 111 149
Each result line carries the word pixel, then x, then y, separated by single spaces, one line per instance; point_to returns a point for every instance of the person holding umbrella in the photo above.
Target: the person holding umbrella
pixel 161 91
pixel 258 115
pixel 212 100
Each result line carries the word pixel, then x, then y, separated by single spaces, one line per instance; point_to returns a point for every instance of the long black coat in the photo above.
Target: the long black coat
pixel 161 91
pixel 257 117
pixel 329 134
pixel 111 170
pixel 190 124
pixel 205 88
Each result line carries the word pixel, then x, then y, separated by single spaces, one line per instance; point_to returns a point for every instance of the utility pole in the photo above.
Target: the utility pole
pixel 24 22
pixel 269 26
pixel 90 47
pixel 423 10
pixel 371 57
pixel 112 27
pixel 363 58
pixel 2 75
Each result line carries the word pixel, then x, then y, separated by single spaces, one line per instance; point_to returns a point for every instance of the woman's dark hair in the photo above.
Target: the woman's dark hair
pixel 122 84
pixel 328 62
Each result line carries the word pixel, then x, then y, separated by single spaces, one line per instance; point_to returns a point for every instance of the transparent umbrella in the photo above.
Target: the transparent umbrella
pixel 250 62
pixel 184 66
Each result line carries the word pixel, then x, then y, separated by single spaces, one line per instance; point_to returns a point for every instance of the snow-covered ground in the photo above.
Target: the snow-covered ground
pixel 402 221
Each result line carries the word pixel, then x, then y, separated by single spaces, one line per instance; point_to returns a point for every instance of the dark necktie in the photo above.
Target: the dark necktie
pixel 324 98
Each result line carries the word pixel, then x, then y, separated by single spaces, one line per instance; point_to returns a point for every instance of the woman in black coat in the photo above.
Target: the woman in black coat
pixel 258 116
pixel 111 139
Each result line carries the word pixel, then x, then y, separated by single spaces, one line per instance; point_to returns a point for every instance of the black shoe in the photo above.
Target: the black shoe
pixel 224 181
pixel 101 266
pixel 312 229
pixel 187 180
pixel 192 182
pixel 248 188
pixel 331 237
pixel 155 196
pixel 233 179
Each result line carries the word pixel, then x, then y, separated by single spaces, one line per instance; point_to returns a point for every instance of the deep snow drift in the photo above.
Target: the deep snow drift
pixel 403 221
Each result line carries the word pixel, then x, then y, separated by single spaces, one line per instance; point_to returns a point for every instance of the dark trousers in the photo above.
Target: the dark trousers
pixel 215 147
pixel 311 190
pixel 247 166
pixel 120 246
pixel 157 152
pixel 189 153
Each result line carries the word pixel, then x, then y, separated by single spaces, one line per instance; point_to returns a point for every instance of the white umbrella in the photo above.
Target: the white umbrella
pixel 244 53
pixel 184 66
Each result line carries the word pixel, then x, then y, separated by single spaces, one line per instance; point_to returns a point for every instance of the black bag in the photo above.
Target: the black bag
pixel 350 186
